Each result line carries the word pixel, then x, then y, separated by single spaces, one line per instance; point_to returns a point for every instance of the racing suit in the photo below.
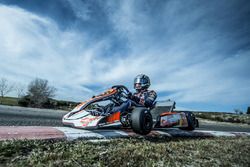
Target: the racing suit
pixel 144 97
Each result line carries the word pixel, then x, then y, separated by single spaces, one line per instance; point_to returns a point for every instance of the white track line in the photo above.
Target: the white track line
pixel 72 133
pixel 222 133
pixel 19 132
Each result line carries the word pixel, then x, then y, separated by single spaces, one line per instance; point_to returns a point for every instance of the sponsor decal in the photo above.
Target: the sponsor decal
pixel 87 120
pixel 170 120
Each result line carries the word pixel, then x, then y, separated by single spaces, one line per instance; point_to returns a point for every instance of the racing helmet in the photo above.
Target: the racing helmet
pixel 141 82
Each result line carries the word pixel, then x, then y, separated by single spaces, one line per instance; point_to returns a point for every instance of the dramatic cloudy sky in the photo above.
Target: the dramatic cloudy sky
pixel 195 52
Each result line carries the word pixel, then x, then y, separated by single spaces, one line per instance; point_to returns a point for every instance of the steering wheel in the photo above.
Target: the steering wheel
pixel 99 107
pixel 122 92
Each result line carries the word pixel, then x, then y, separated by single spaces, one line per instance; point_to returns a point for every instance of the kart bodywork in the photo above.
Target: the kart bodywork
pixel 139 118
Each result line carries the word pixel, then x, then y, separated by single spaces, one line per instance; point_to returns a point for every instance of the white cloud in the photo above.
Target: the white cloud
pixel 33 46
pixel 190 64
pixel 193 69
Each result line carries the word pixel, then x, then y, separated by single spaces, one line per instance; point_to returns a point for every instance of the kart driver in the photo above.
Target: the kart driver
pixel 142 96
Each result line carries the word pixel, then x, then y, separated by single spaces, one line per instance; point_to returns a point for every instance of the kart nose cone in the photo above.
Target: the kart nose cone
pixel 77 115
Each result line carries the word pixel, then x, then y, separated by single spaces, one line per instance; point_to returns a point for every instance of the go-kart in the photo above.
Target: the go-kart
pixel 138 117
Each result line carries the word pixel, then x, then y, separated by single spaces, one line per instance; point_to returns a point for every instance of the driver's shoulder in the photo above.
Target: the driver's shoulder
pixel 152 92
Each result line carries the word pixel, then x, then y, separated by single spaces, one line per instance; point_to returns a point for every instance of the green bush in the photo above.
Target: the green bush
pixel 50 103
pixel 224 117
pixel 24 101
pixel 217 118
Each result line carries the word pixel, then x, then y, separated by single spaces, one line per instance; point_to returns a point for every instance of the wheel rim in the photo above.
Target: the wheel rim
pixel 147 122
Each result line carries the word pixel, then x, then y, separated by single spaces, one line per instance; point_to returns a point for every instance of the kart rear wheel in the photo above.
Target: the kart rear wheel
pixel 197 123
pixel 191 121
pixel 141 121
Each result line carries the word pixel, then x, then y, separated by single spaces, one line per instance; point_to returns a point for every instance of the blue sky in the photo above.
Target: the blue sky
pixel 195 52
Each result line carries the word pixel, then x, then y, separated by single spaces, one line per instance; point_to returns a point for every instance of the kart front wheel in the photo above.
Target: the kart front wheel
pixel 141 121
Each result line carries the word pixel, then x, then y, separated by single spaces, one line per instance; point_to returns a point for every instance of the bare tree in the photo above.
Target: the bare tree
pixel 39 91
pixel 5 87
pixel 19 88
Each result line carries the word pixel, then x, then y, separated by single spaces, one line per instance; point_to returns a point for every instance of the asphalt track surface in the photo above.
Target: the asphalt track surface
pixel 20 116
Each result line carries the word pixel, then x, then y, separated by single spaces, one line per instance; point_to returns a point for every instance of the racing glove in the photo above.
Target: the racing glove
pixel 135 98
pixel 130 95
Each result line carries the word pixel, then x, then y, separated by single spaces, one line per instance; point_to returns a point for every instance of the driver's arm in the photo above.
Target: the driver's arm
pixel 149 100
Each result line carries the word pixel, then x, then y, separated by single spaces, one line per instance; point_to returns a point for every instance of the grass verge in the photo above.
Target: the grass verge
pixel 10 101
pixel 128 152
pixel 224 117
pixel 52 104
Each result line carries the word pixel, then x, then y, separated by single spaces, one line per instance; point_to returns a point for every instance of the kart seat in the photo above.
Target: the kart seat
pixel 162 106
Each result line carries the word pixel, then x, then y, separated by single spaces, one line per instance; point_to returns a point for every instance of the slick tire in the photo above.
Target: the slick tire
pixel 197 123
pixel 141 121
pixel 191 121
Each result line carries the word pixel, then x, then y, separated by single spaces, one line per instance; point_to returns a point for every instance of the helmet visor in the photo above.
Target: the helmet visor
pixel 140 81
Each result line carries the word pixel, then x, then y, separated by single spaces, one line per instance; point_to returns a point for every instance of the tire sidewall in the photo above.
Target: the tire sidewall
pixel 191 120
pixel 141 120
